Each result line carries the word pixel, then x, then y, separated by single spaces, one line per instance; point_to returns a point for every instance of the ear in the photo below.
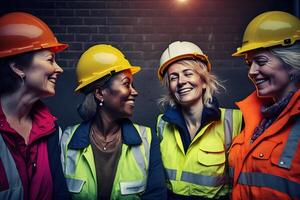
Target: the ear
pixel 15 68
pixel 204 85
pixel 99 94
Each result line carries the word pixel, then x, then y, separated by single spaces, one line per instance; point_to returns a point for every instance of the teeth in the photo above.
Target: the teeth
pixel 52 80
pixel 260 81
pixel 184 90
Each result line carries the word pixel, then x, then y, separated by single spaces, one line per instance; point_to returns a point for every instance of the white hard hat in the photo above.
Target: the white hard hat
pixel 179 50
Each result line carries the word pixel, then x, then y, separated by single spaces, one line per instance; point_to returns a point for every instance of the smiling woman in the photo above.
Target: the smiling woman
pixel 29 151
pixel 265 157
pixel 118 159
pixel 195 133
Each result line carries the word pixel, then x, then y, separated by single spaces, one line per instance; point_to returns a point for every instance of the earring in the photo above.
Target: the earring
pixel 101 102
pixel 22 76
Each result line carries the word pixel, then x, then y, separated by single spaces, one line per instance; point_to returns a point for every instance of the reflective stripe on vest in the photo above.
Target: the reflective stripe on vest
pixel 70 159
pixel 290 149
pixel 160 128
pixel 69 162
pixel 171 174
pixel 202 180
pixel 15 190
pixel 228 127
pixel 75 185
pixel 138 155
pixel 196 178
pixel 271 181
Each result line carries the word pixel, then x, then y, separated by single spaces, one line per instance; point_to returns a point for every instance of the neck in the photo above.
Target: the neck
pixel 192 116
pixel 105 125
pixel 17 105
pixel 282 95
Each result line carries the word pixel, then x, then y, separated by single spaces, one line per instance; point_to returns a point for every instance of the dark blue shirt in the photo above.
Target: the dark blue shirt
pixel 173 115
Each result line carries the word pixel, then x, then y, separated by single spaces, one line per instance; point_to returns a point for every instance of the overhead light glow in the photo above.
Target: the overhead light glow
pixel 182 1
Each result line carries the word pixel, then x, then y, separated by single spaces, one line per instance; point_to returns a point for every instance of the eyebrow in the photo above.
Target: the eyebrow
pixel 126 78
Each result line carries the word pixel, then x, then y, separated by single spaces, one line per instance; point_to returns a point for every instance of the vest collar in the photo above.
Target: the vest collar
pixel 173 115
pixel 81 139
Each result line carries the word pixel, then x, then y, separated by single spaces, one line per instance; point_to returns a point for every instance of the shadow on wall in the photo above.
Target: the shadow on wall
pixel 64 104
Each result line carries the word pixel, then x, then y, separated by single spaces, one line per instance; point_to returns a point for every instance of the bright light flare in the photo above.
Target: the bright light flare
pixel 182 1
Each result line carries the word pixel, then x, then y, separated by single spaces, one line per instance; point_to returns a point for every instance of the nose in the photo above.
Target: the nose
pixel 253 70
pixel 181 80
pixel 58 69
pixel 134 91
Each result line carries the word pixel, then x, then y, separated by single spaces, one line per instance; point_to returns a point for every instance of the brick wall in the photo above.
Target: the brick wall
pixel 142 29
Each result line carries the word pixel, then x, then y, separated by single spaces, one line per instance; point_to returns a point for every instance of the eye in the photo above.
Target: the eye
pixel 188 74
pixel 261 62
pixel 51 60
pixel 173 78
pixel 126 84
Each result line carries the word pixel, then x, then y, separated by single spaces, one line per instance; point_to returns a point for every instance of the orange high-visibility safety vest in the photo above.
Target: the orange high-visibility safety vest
pixel 269 168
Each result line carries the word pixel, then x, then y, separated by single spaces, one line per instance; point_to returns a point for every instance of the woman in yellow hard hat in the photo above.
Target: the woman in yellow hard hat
pixel 107 156
pixel 30 166
pixel 265 157
pixel 195 133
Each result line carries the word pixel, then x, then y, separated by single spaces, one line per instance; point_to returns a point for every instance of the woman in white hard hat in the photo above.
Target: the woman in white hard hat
pixel 30 166
pixel 265 157
pixel 107 156
pixel 194 132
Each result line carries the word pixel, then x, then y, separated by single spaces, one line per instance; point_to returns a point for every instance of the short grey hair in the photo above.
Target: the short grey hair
pixel 290 55
pixel 213 85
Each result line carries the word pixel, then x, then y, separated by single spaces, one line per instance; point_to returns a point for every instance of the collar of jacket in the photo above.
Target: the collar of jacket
pixel 81 139
pixel 251 108
pixel 173 115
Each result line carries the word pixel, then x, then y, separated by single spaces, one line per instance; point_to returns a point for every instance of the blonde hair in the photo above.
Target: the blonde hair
pixel 211 81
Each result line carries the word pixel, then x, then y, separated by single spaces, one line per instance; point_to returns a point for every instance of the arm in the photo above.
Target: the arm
pixel 156 188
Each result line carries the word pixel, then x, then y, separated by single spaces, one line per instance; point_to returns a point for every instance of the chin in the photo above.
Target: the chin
pixel 48 94
pixel 262 94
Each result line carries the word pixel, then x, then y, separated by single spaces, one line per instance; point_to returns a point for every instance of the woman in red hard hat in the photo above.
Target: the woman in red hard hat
pixel 29 136
pixel 265 157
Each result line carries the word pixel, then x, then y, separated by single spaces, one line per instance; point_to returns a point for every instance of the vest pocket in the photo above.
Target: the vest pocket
pixel 75 185
pixel 264 150
pixel 210 157
pixel 132 187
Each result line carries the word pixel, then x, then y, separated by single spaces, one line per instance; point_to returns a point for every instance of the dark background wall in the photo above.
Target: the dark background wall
pixel 142 29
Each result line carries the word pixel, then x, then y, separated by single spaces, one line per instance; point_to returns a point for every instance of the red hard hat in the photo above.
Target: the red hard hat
pixel 22 32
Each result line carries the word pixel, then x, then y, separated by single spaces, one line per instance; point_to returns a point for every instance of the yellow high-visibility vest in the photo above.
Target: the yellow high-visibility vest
pixel 201 171
pixel 131 175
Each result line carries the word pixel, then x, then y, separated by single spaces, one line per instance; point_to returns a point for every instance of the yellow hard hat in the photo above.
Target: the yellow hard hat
pixel 99 61
pixel 179 50
pixel 270 29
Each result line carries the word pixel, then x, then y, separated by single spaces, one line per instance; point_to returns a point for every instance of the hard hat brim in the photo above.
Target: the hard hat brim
pixel 164 66
pixel 133 70
pixel 54 47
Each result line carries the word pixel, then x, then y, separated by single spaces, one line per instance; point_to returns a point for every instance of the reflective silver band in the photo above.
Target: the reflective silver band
pixel 228 126
pixel 270 181
pixel 290 149
pixel 15 190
